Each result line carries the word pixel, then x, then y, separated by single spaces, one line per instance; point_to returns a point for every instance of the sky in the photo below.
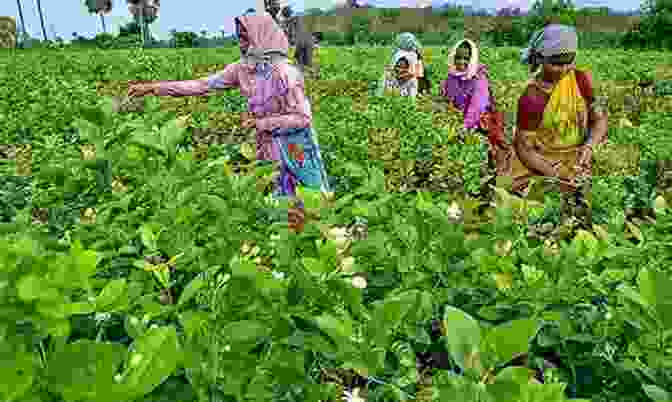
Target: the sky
pixel 63 17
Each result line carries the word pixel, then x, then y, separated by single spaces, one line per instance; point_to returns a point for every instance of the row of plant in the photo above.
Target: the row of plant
pixel 180 281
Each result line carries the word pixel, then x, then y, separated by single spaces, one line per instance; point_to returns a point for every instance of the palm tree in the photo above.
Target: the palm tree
pixel 100 7
pixel 23 22
pixel 145 13
pixel 39 10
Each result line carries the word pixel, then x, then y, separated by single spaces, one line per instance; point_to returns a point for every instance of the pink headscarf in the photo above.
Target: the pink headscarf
pixel 266 57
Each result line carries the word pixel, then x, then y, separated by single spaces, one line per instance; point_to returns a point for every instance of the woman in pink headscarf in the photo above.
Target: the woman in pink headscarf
pixel 278 107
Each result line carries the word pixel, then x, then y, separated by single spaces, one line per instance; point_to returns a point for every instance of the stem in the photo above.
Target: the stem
pixel 43 355
pixel 101 332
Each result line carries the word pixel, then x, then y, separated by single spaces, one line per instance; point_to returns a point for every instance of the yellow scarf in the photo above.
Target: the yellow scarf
pixel 565 113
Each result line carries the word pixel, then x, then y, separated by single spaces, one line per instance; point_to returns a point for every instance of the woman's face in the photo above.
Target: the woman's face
pixel 402 70
pixel 462 56
pixel 242 37
pixel 555 67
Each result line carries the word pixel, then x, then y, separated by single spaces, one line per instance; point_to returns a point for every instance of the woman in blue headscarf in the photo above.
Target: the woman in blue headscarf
pixel 408 42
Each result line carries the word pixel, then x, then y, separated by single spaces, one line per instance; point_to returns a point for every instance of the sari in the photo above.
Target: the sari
pixel 556 120
pixel 553 116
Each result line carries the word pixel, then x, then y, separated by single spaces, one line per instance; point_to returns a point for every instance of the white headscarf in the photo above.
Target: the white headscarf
pixel 472 67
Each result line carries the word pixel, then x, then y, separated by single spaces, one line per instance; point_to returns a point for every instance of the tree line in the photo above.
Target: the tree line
pixel 652 31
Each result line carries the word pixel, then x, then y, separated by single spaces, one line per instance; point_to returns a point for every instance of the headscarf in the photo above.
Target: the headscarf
pixel 473 66
pixel 553 40
pixel 411 57
pixel 266 57
pixel 407 41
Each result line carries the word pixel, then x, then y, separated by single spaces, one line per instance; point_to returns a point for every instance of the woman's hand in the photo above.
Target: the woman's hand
pixel 142 89
pixel 247 121
pixel 585 156
pixel 406 75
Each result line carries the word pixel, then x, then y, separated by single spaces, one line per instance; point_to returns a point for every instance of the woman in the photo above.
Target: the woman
pixel 408 42
pixel 399 76
pixel 468 89
pixel 558 120
pixel 278 107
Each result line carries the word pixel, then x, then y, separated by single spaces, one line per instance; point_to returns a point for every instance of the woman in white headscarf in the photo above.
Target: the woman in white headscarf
pixel 399 75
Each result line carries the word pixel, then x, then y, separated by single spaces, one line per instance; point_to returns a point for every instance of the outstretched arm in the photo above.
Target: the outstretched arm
pixel 227 78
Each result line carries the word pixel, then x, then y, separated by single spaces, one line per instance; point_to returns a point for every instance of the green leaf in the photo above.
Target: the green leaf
pixel 657 394
pixel 86 261
pixel 328 250
pixel 154 357
pixel 312 199
pixel 511 339
pixel 246 331
pixel 147 140
pixel 79 308
pixel 87 130
pixel 85 369
pixel 462 336
pixel 134 326
pixel 31 287
pixel 191 290
pixel 149 236
pixel 656 288
pixel 339 329
pixel 17 373
pixel 314 266
pixel 113 297
pixel 193 322
pixel 171 135
pixel 58 327
pixel 508 384
pixel 243 269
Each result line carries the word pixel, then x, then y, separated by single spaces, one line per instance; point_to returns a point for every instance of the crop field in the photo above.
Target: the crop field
pixel 141 259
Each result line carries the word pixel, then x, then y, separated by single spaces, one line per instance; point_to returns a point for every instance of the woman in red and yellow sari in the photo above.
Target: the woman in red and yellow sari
pixel 557 121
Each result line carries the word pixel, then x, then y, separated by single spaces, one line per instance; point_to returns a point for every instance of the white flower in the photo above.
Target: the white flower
pixel 227 348
pixel 353 396
pixel 118 378
pixel 347 264
pixel 278 275
pixel 339 236
pixel 454 211
pixel 359 282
